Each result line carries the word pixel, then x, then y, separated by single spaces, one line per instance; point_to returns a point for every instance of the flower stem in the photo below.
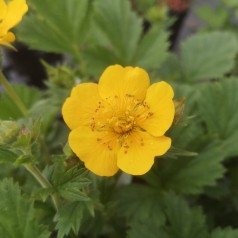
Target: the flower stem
pixel 43 182
pixel 12 94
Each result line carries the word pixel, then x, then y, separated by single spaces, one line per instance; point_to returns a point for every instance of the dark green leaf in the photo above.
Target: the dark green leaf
pixel 189 174
pixel 7 155
pixel 140 203
pixel 17 214
pixel 184 221
pixel 69 218
pixel 225 233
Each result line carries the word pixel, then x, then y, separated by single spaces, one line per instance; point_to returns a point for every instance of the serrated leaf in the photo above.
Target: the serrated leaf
pixel 206 56
pixel 56 26
pixel 17 218
pixel 69 218
pixel 8 109
pixel 225 233
pixel 184 222
pixel 117 27
pixel 69 183
pixel 140 203
pixel 152 49
pixel 218 108
pixel 189 175
pixel 118 33
pixel 147 229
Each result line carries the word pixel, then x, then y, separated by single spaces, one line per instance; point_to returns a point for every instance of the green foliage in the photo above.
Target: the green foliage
pixel 6 155
pixel 23 144
pixel 68 183
pixel 28 95
pixel 93 23
pixel 147 229
pixel 141 203
pixel 122 42
pixel 223 100
pixel 125 45
pixel 69 217
pixel 189 174
pixel 184 221
pixel 226 233
pixel 56 26
pixel 205 56
pixel 17 215
pixel 188 194
pixel 215 18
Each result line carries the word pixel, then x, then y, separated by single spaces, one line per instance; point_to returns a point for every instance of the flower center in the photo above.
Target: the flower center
pixel 122 123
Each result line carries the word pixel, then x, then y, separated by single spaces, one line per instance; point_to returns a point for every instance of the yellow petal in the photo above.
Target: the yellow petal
pixel 159 100
pixel 79 108
pixel 120 81
pixel 136 156
pixel 15 11
pixel 3 9
pixel 98 150
pixel 8 38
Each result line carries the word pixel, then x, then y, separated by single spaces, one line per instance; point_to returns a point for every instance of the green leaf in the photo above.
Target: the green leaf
pixel 140 203
pixel 17 214
pixel 118 39
pixel 170 69
pixel 218 108
pixel 117 28
pixel 184 221
pixel 152 49
pixel 146 229
pixel 56 26
pixel 215 18
pixel 225 233
pixel 69 218
pixel 189 175
pixel 69 183
pixel 7 155
pixel 206 56
pixel 8 109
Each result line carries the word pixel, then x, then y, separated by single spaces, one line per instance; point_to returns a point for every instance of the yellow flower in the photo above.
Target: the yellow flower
pixel 121 122
pixel 11 14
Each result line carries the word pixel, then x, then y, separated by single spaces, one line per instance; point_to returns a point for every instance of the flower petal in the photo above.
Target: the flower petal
pixel 136 156
pixel 98 150
pixel 120 81
pixel 80 107
pixel 3 10
pixel 159 100
pixel 15 11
